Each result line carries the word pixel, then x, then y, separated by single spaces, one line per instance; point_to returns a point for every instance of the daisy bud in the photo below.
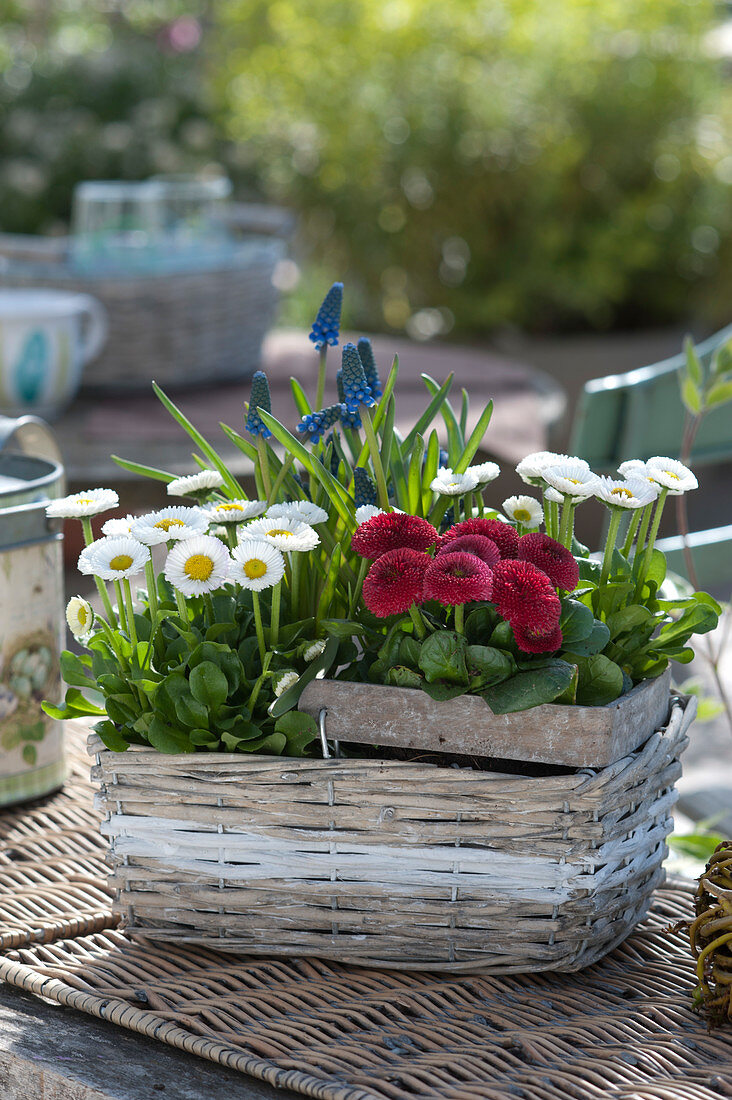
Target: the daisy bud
pixel 79 616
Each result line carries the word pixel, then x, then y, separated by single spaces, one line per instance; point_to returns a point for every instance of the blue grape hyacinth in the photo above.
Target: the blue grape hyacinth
pixel 259 399
pixel 366 355
pixel 350 418
pixel 327 324
pixel 364 490
pixel 316 424
pixel 356 389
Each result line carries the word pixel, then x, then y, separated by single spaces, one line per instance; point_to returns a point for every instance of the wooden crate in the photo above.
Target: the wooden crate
pixel 578 737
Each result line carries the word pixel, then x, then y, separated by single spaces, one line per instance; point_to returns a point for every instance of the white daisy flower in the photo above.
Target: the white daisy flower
pixel 285 534
pixel 283 681
pixel 635 466
pixel 553 496
pixel 365 512
pixel 671 475
pixel 634 492
pixel 530 469
pixel 194 483
pixel 79 616
pixel 84 564
pixel 118 526
pixel 117 557
pixel 234 511
pixel 574 479
pixel 256 564
pixel 485 472
pixel 314 650
pixel 304 510
pixel 449 484
pixel 524 510
pixel 175 522
pixel 89 502
pixel 198 565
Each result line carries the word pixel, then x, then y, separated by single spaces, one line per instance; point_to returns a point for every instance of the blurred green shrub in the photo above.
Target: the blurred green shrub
pixel 97 90
pixel 483 162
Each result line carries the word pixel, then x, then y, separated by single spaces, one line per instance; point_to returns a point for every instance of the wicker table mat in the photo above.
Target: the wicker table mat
pixel 623 1028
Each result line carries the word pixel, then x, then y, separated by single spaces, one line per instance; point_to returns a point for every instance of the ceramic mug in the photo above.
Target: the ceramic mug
pixel 46 339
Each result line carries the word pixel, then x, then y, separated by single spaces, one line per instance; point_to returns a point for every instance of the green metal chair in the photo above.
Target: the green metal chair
pixel 640 414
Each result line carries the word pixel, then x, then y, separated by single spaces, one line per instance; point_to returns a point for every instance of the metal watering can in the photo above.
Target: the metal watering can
pixel 32 625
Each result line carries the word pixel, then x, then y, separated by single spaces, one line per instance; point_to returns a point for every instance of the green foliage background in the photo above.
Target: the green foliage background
pixel 462 166
pixel 549 165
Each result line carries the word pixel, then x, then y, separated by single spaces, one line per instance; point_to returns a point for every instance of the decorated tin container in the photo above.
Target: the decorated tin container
pixel 31 626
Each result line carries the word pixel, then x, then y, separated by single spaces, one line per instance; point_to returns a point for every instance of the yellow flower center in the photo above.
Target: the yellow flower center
pixel 574 480
pixel 82 616
pixel 279 531
pixel 166 524
pixel 523 515
pixel 121 561
pixel 620 492
pixel 255 568
pixel 670 473
pixel 198 567
pixel 228 508
pixel 84 500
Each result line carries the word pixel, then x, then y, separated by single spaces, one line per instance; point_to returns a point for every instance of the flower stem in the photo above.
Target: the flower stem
pixel 208 604
pixel 101 586
pixel 274 618
pixel 616 514
pixel 121 606
pixel 264 465
pixel 258 626
pixel 130 611
pixel 294 578
pixel 320 391
pixel 565 527
pixel 632 528
pixel 460 618
pixel 182 607
pixel 647 553
pixel 419 624
pixel 554 514
pixel 152 594
pixel 373 443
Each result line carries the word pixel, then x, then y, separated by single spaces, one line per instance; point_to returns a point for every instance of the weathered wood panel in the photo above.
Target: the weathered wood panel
pixel 580 737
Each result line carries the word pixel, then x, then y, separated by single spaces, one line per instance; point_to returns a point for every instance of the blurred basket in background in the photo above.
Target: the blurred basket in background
pixel 181 327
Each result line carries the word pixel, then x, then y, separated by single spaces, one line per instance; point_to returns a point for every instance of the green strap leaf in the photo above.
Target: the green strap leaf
pixel 337 494
pixel 476 438
pixel 231 483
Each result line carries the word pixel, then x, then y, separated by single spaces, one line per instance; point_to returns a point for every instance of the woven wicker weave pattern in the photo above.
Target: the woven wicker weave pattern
pixel 623 1028
pixel 181 328
pixel 389 863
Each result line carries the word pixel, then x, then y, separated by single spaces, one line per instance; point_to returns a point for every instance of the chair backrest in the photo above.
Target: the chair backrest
pixel 639 414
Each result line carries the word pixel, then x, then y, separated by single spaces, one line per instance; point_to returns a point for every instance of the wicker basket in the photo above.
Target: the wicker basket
pixel 386 863
pixel 181 328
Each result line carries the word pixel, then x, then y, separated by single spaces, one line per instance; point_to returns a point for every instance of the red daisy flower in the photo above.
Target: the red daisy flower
pixel 525 596
pixel 554 559
pixel 530 641
pixel 457 578
pixel 392 531
pixel 483 548
pixel 395 581
pixel 503 534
